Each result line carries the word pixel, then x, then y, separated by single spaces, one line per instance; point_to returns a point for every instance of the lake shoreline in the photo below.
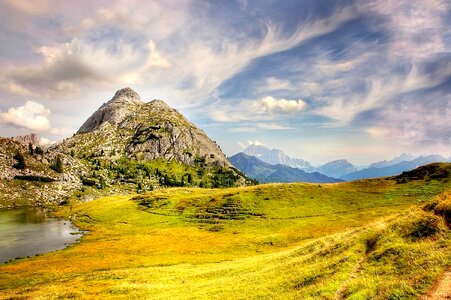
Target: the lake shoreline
pixel 30 231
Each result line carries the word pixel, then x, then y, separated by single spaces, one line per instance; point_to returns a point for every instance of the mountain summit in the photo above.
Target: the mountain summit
pixel 145 131
pixel 276 156
pixel 125 102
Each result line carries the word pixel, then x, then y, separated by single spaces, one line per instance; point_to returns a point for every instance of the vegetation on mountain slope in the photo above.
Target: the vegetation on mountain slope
pixel 125 146
pixel 379 239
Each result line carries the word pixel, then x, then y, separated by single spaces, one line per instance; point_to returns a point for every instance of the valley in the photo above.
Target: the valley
pixel 360 239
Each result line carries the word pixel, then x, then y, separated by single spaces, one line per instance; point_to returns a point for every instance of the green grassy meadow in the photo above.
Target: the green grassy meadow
pixel 377 239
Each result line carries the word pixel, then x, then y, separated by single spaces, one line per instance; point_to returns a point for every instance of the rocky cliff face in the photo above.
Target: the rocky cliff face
pixel 26 139
pixel 35 183
pixel 124 103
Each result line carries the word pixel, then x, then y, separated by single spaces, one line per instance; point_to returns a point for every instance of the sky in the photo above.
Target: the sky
pixel 321 80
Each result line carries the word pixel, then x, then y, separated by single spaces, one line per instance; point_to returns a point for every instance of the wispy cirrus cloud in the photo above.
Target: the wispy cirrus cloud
pixel 242 68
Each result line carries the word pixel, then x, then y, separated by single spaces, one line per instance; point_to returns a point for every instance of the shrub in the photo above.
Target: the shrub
pixel 38 150
pixel 89 181
pixel 30 149
pixel 424 227
pixel 20 161
pixel 58 165
pixel 444 209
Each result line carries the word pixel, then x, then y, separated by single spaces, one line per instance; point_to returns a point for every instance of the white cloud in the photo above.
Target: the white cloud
pixel 64 131
pixel 155 58
pixel 274 105
pixel 273 84
pixel 241 145
pixel 31 115
pixel 378 131
pixel 260 127
pixel 38 7
pixel 108 48
pixel 267 108
pixel 45 142
pixel 255 143
pixel 66 68
pixel 243 129
pixel 272 126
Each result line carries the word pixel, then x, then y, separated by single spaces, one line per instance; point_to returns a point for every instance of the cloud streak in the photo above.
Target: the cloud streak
pixel 245 69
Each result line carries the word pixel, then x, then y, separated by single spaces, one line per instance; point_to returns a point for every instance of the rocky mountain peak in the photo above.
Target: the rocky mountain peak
pixel 146 131
pixel 159 104
pixel 276 156
pixel 124 103
pixel 126 95
pixel 29 138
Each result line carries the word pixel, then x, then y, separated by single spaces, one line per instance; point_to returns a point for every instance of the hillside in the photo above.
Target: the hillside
pixel 125 146
pixel 265 172
pixel 34 183
pixel 367 239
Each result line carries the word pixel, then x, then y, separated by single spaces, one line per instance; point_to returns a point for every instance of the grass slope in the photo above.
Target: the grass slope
pixel 364 239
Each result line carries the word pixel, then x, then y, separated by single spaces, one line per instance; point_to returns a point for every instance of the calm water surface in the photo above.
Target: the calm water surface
pixel 29 231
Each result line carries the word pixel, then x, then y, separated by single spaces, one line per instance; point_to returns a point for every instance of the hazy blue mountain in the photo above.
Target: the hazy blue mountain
pixel 337 168
pixel 394 161
pixel 265 172
pixel 276 156
pixel 394 169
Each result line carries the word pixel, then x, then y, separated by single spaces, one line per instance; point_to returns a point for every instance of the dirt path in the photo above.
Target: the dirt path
pixel 357 268
pixel 442 290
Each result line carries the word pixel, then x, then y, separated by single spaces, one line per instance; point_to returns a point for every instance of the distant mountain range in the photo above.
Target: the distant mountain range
pixel 394 161
pixel 265 172
pixel 276 156
pixel 271 164
pixel 337 168
pixel 395 169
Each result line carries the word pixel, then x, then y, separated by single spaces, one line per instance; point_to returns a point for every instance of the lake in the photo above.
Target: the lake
pixel 29 231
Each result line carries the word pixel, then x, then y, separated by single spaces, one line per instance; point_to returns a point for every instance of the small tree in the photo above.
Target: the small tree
pixel 58 165
pixel 30 149
pixel 102 183
pixel 38 150
pixel 20 161
pixel 139 187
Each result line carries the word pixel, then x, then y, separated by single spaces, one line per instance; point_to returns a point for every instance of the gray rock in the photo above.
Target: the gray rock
pixel 124 103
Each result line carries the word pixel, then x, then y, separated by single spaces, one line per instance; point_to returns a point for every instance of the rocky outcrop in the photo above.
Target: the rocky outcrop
pixel 36 183
pixel 124 103
pixel 26 139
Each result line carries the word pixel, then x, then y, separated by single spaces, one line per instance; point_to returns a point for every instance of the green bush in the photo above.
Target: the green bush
pixel 57 166
pixel 20 161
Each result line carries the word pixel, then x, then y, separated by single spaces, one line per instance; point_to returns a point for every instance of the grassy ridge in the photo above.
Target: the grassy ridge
pixel 350 240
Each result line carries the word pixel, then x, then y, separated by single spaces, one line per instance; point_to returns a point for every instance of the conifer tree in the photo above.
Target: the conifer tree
pixel 58 165
pixel 20 161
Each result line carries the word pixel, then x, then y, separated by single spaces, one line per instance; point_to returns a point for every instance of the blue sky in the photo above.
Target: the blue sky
pixel 320 80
